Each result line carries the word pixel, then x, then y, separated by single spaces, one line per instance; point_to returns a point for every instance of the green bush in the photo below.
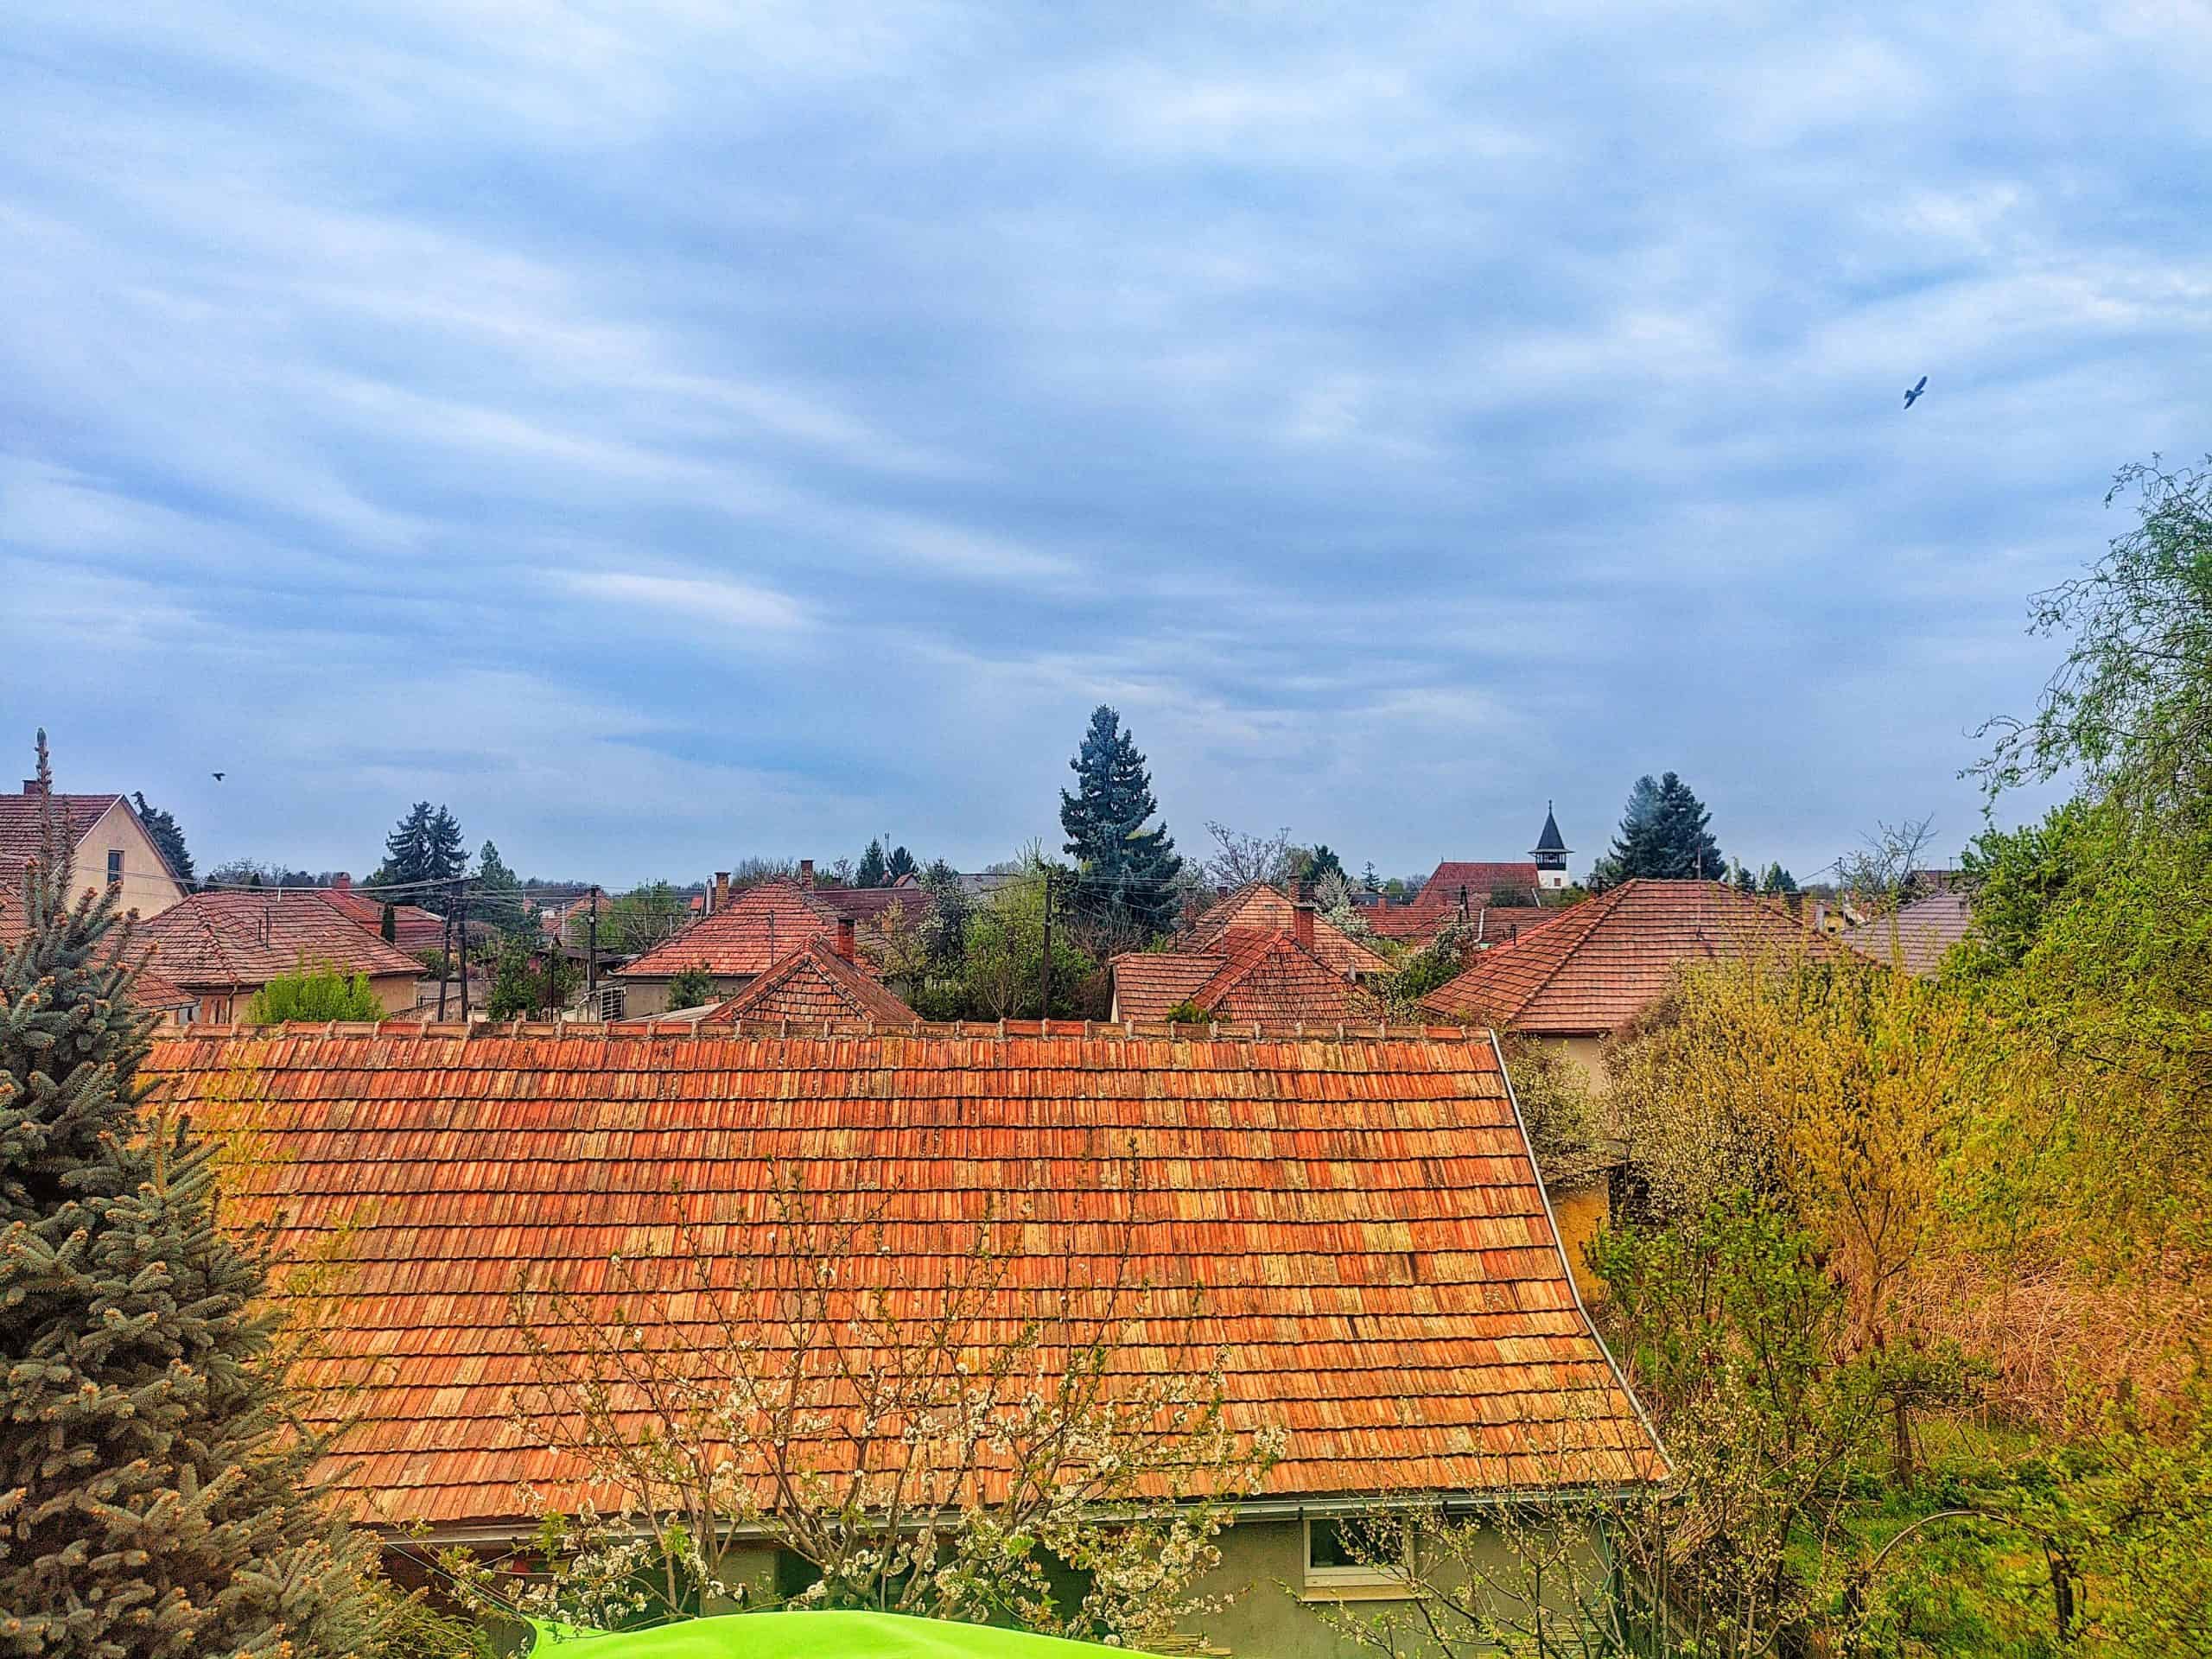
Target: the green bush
pixel 314 993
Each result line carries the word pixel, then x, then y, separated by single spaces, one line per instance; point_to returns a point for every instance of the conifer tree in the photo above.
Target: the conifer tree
pixel 898 866
pixel 154 1496
pixel 870 874
pixel 168 835
pixel 1127 871
pixel 1663 836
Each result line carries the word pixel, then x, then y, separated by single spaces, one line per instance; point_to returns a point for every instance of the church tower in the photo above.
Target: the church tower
pixel 1550 854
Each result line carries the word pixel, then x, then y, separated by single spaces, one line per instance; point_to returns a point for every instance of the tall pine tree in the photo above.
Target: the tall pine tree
pixel 153 1495
pixel 870 874
pixel 1127 872
pixel 1663 836
pixel 423 857
pixel 166 835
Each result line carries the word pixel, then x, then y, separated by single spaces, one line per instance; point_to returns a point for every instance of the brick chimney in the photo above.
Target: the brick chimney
pixel 30 786
pixel 845 937
pixel 1301 924
pixel 722 891
pixel 806 872
pixel 341 882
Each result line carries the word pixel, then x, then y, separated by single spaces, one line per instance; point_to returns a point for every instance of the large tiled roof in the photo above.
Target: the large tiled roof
pixel 1918 936
pixel 813 984
pixel 1603 962
pixel 1503 923
pixel 1249 974
pixel 218 940
pixel 1361 1217
pixel 1257 905
pixel 1408 922
pixel 871 905
pixel 760 926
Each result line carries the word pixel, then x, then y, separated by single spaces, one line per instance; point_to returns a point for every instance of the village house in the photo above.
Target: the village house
pixel 1259 907
pixel 1581 980
pixel 106 837
pixel 820 981
pixel 1244 974
pixel 223 947
pixel 1497 902
pixel 745 932
pixel 1360 1215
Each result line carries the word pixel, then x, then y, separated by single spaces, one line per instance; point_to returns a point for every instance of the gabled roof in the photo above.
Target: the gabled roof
pixel 1603 962
pixel 1361 1217
pixel 814 984
pixel 1918 936
pixel 761 925
pixel 1248 974
pixel 224 941
pixel 21 815
pixel 1257 905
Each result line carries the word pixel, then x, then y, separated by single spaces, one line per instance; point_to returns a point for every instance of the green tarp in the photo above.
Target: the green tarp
pixel 813 1635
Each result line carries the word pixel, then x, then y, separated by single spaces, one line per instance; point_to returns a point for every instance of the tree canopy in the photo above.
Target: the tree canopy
pixel 423 857
pixel 166 835
pixel 1127 871
pixel 1663 836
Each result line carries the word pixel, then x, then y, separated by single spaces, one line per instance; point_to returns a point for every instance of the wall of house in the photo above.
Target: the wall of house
pixel 641 997
pixel 395 991
pixel 147 886
pixel 1582 1212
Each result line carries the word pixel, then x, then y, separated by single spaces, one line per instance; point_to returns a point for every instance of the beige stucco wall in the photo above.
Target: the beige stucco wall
pixel 147 886
pixel 641 997
pixel 1273 1615
pixel 395 991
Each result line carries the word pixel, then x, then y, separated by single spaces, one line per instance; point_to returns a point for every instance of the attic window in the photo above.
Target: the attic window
pixel 114 866
pixel 1341 1560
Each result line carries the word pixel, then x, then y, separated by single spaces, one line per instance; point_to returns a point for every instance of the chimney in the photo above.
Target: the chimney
pixel 341 882
pixel 845 937
pixel 30 786
pixel 722 891
pixel 806 872
pixel 1301 924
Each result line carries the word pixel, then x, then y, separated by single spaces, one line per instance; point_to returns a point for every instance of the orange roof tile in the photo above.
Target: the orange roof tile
pixel 813 984
pixel 1256 904
pixel 760 926
pixel 1363 1218
pixel 1251 974
pixel 12 925
pixel 414 929
pixel 1603 962
pixel 221 941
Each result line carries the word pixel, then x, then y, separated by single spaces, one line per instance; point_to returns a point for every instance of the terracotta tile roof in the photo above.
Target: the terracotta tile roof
pixel 1503 923
pixel 869 905
pixel 218 940
pixel 814 985
pixel 415 930
pixel 21 815
pixel 1251 974
pixel 1147 983
pixel 1442 891
pixel 152 990
pixel 1603 962
pixel 1363 1217
pixel 1917 937
pixel 12 925
pixel 761 925
pixel 1256 904
pixel 1408 922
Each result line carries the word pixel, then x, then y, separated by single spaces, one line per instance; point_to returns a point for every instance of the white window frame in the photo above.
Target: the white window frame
pixel 1354 1583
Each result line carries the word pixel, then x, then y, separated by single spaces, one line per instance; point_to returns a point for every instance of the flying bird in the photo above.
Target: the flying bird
pixel 1912 394
pixel 217 776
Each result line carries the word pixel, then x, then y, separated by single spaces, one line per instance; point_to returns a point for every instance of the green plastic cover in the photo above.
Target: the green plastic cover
pixel 811 1636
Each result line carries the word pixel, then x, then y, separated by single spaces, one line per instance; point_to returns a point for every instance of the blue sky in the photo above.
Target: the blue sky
pixel 671 431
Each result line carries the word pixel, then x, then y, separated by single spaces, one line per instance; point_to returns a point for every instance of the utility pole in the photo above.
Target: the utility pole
pixel 461 904
pixel 591 964
pixel 445 969
pixel 1046 1012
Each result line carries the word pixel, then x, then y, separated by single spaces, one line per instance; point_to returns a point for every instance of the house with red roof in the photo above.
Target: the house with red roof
pixel 1581 979
pixel 1354 1220
pixel 106 837
pixel 733 944
pixel 224 946
pixel 1259 907
pixel 1244 975
pixel 820 981
pixel 415 930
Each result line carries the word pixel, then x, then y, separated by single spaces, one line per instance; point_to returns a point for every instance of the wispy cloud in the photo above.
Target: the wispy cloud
pixel 673 429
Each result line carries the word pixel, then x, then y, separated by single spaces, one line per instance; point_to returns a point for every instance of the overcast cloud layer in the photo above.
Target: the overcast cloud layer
pixel 671 431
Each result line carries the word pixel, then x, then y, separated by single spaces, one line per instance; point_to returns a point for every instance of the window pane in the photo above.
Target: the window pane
pixel 1325 1545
